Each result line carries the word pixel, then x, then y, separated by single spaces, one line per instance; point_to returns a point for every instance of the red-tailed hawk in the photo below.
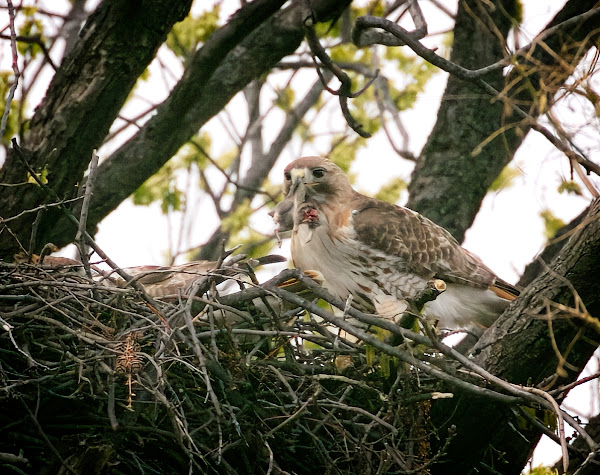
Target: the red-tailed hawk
pixel 382 254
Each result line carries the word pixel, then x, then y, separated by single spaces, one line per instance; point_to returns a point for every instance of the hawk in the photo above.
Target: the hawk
pixel 170 281
pixel 383 254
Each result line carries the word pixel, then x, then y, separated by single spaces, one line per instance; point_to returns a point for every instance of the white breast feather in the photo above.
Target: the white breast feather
pixel 459 307
pixel 314 249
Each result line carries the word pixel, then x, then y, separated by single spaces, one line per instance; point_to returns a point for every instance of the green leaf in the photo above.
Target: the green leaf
pixel 42 175
pixel 32 27
pixel 391 191
pixel 172 199
pixel 226 159
pixel 569 187
pixel 551 222
pixel 187 34
pixel 161 187
pixel 505 179
pixel 344 151
pixel 285 98
pixel 197 152
pixel 415 72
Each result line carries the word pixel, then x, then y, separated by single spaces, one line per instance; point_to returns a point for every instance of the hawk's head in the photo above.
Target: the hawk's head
pixel 316 178
pixel 310 179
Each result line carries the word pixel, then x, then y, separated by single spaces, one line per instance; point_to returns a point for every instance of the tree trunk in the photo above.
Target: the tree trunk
pixel 452 175
pixel 518 348
pixel 116 45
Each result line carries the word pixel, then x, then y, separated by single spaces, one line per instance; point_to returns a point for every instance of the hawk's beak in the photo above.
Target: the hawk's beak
pixel 299 182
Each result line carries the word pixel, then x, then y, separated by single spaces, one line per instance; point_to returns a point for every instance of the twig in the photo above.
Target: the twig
pixel 201 360
pixel 284 381
pixel 34 229
pixel 11 458
pixel 296 415
pixel 583 468
pixel 80 236
pixel 568 387
pixel 53 449
pixel 561 423
pixel 35 40
pixel 362 411
pixel 37 208
pixel 15 67
pixel 8 328
pixel 384 104
pixel 110 408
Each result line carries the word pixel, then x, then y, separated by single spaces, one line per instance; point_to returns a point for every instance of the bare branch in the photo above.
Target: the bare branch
pixel 15 67
pixel 475 76
pixel 79 237
pixel 364 35
pixel 345 90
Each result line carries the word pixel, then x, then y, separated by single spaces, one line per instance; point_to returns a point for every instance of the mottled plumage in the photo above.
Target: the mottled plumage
pixel 381 253
pixel 170 281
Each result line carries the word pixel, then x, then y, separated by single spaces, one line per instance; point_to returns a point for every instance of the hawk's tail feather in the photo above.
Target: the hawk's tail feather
pixel 505 290
pixel 297 287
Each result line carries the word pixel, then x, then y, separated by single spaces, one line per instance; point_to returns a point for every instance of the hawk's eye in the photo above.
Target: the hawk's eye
pixel 288 176
pixel 318 172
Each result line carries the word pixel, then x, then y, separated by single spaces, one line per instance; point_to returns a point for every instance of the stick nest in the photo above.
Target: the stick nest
pixel 96 379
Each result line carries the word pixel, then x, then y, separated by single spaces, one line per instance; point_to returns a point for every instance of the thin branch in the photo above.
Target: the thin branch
pixel 35 40
pixel 474 76
pixel 363 35
pixel 79 237
pixel 15 68
pixel 365 22
pixel 561 424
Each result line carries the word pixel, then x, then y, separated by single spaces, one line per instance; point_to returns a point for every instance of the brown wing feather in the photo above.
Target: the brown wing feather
pixel 425 248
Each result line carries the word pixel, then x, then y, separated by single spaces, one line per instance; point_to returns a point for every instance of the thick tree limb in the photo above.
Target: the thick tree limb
pixel 115 47
pixel 519 348
pixel 217 72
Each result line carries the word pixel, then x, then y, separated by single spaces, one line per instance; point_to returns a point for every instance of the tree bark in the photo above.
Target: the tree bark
pixel 116 45
pixel 451 178
pixel 518 348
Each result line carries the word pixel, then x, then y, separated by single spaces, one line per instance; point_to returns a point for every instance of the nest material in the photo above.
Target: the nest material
pixel 93 381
